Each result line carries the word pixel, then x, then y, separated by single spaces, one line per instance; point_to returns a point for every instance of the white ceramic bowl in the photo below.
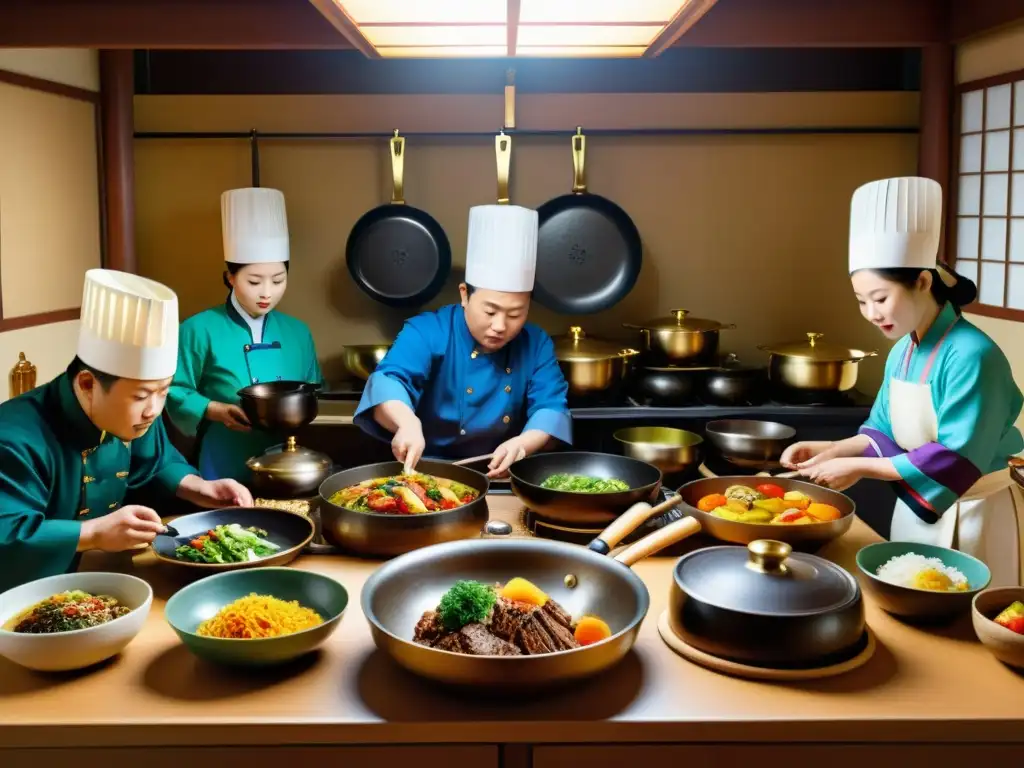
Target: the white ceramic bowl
pixel 63 651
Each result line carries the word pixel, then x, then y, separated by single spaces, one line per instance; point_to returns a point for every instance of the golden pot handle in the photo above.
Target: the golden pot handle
pixel 397 169
pixel 503 153
pixel 579 151
pixel 628 352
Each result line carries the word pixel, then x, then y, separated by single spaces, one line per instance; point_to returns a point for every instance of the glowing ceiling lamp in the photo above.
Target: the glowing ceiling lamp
pixel 499 28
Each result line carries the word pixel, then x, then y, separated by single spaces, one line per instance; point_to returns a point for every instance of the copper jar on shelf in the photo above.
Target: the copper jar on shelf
pixel 22 377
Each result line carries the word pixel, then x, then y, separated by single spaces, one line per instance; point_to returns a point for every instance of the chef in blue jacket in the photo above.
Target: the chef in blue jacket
pixel 474 378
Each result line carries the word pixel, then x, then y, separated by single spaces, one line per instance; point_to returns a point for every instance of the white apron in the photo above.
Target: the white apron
pixel 987 521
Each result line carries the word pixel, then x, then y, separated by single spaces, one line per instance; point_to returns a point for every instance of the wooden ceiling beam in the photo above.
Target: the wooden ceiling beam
pixel 968 18
pixel 293 24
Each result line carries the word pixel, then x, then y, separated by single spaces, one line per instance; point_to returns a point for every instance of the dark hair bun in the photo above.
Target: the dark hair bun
pixel 961 293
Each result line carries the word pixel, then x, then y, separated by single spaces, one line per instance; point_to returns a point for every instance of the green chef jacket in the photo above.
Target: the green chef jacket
pixel 57 469
pixel 216 358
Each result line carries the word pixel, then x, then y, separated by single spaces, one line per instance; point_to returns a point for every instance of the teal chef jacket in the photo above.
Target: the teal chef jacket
pixel 468 402
pixel 217 357
pixel 57 470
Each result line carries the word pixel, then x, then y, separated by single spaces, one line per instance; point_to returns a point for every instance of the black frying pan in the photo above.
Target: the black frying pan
pixel 587 509
pixel 397 254
pixel 588 249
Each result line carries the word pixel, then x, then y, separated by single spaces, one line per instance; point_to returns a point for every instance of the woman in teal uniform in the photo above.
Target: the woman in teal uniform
pixel 243 341
pixel 475 378
pixel 942 426
pixel 71 449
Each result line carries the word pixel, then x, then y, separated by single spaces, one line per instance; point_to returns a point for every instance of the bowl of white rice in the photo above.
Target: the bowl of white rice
pixel 921 581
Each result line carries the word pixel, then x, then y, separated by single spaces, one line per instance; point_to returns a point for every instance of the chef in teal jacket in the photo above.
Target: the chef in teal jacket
pixel 243 341
pixel 942 426
pixel 71 449
pixel 474 378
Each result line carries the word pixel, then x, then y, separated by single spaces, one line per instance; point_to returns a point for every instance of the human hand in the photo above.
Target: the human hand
pixel 130 527
pixel 223 493
pixel 504 456
pixel 408 444
pixel 837 474
pixel 231 416
pixel 806 453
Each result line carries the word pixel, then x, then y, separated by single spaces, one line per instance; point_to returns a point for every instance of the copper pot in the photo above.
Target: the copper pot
pixel 814 365
pixel 679 339
pixel 591 366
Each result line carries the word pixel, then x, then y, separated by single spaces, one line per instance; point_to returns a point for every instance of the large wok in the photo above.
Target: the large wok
pixel 804 538
pixel 582 581
pixel 583 509
pixel 382 535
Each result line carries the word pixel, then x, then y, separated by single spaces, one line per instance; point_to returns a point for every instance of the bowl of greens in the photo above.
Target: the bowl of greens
pixel 234 538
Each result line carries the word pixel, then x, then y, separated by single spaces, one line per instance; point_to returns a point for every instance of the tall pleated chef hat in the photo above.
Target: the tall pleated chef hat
pixel 129 326
pixel 501 248
pixel 896 223
pixel 254 225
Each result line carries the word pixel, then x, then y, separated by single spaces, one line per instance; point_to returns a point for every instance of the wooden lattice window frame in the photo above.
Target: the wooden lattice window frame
pixel 984 230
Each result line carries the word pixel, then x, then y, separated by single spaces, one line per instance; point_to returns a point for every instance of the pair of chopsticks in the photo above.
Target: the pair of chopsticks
pixel 407 470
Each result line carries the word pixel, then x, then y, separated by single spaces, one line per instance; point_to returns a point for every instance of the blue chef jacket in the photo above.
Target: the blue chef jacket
pixel 469 402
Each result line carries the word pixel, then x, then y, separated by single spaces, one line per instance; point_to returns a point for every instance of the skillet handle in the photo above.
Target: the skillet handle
pixel 628 522
pixel 579 152
pixel 503 152
pixel 657 541
pixel 397 169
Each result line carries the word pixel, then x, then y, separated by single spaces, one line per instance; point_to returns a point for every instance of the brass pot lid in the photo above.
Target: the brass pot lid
pixel 289 459
pixel 577 347
pixel 765 577
pixel 679 320
pixel 813 348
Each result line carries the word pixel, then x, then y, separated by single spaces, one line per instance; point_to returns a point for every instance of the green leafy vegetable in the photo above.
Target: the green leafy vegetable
pixel 227 544
pixel 584 484
pixel 434 494
pixel 466 602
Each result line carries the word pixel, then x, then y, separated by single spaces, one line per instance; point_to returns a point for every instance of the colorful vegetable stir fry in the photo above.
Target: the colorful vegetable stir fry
pixel 227 544
pixel 404 495
pixel 584 484
pixel 68 611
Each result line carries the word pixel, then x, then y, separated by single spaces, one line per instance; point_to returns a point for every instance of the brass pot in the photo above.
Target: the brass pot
pixel 670 450
pixel 591 366
pixel 680 339
pixel 360 360
pixel 288 471
pixel 814 365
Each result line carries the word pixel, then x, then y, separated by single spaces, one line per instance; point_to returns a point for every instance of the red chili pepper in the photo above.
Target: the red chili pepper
pixel 401 505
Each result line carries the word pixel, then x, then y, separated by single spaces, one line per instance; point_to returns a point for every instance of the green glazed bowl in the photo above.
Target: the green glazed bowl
pixel 199 601
pixel 921 604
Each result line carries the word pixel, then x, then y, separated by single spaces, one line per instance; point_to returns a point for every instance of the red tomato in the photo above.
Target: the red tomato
pixel 1016 624
pixel 771 490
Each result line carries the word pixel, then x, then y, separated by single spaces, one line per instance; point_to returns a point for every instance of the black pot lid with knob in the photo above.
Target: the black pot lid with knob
pixel 766 577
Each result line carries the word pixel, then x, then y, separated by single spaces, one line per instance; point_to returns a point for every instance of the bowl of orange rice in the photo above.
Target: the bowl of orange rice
pixel 257 617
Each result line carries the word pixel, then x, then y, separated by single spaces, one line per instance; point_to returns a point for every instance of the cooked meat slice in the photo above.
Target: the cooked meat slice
pixel 533 638
pixel 476 640
pixel 561 634
pixel 558 613
pixel 428 629
pixel 508 616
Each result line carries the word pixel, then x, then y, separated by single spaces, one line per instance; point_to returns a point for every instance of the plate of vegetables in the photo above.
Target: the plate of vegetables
pixel 235 537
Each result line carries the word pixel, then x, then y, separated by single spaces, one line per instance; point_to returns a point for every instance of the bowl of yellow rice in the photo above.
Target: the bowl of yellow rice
pixel 921 582
pixel 256 617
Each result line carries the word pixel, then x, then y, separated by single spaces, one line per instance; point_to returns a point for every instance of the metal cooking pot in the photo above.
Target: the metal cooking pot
pixel 814 365
pixel 736 384
pixel 288 471
pixel 280 406
pixel 591 366
pixel 383 535
pixel 667 387
pixel 750 443
pixel 670 450
pixel 680 339
pixel 766 605
pixel 360 360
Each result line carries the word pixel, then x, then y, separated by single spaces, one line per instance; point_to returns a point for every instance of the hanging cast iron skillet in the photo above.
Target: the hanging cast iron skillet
pixel 588 249
pixel 397 254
